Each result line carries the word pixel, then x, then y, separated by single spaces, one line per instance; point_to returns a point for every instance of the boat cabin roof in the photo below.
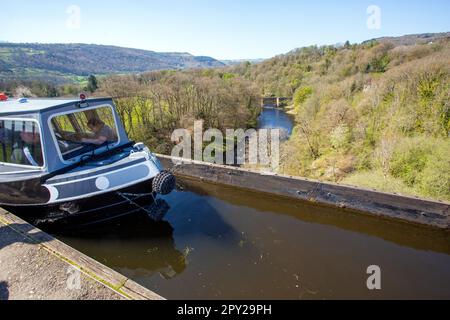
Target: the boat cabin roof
pixel 28 106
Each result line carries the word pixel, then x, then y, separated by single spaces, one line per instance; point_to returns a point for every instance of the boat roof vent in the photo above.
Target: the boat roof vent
pixel 22 100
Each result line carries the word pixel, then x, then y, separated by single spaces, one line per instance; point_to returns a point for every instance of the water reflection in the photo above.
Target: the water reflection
pixel 418 237
pixel 139 247
pixel 194 214
pixel 134 243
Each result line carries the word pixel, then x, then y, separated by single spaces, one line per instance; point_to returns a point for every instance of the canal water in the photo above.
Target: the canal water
pixel 218 242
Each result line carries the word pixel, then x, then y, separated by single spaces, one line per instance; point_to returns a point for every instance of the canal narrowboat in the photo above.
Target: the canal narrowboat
pixel 65 158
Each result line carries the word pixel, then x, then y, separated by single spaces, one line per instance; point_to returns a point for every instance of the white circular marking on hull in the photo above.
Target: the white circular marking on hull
pixel 102 183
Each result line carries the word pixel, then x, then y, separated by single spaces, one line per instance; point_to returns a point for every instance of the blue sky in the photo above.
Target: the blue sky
pixel 224 29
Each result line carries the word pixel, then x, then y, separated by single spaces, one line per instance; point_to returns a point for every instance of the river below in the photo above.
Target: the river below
pixel 273 118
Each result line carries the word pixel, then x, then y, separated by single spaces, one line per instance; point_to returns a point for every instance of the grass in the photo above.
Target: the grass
pixel 377 181
pixel 35 74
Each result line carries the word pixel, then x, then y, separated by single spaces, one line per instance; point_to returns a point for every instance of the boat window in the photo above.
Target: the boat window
pixel 81 132
pixel 20 143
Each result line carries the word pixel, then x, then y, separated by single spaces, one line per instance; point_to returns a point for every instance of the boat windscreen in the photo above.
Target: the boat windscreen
pixel 81 132
pixel 20 143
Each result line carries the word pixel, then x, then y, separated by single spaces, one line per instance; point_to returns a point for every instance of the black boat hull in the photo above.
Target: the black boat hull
pixel 99 207
pixel 28 192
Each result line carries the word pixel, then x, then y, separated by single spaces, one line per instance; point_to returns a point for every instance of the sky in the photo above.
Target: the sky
pixel 223 29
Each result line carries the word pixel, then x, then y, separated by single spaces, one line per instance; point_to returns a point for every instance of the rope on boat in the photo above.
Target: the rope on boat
pixel 156 211
pixel 127 196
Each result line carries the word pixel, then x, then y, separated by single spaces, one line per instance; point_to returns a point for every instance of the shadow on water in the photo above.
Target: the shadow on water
pixel 142 247
pixel 194 214
pixel 4 292
pixel 134 243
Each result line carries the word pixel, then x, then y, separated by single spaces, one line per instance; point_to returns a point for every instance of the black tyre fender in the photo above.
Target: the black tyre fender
pixel 158 210
pixel 164 183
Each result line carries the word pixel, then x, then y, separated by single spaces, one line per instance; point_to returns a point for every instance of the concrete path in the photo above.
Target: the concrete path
pixel 33 265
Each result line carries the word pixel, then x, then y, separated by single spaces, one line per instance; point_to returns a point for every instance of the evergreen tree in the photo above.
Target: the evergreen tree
pixel 92 84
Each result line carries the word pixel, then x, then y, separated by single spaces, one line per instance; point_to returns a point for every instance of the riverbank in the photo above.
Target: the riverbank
pixel 36 266
pixel 290 110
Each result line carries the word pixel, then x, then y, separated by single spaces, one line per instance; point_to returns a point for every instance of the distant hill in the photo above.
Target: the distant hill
pixel 413 39
pixel 64 62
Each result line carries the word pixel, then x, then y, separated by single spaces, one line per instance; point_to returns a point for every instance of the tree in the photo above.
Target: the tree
pixel 301 94
pixel 92 84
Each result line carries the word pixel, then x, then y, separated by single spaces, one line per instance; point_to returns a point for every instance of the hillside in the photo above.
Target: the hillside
pixel 283 74
pixel 375 114
pixel 64 62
